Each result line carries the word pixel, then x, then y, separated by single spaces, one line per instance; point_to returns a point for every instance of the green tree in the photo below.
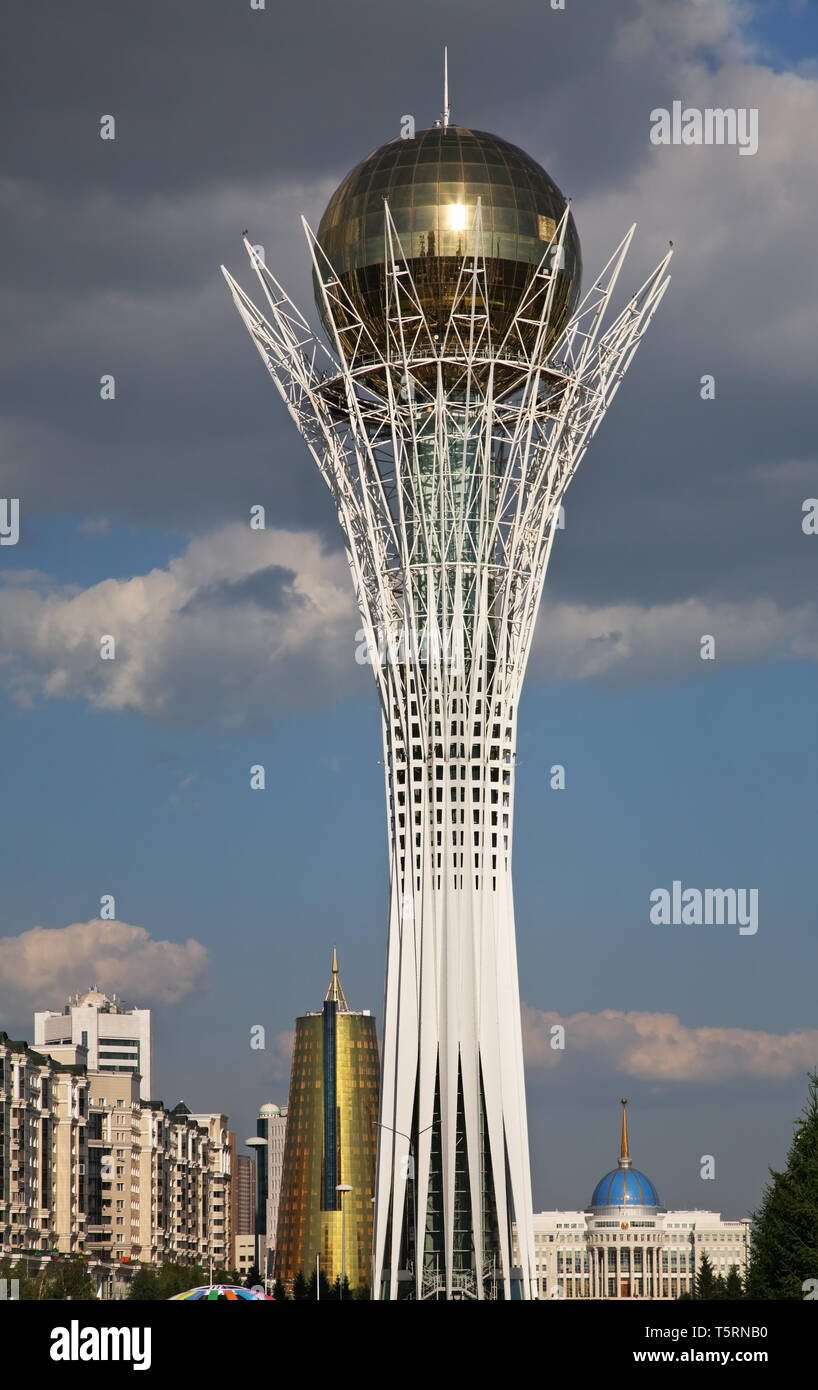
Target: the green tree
pixel 280 1292
pixel 300 1291
pixel 706 1283
pixel 733 1287
pixel 784 1242
pixel 29 1288
pixel 336 1293
pixel 163 1283
pixel 145 1286
pixel 69 1279
pixel 323 1286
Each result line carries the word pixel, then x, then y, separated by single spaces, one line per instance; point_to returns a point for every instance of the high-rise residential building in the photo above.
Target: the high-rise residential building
pixel 327 1185
pixel 88 1166
pixel 220 1159
pixel 244 1196
pixel 276 1139
pixel 243 1211
pixel 120 1217
pixel 268 1146
pixel 464 380
pixel 43 1152
pixel 626 1245
pixel 117 1039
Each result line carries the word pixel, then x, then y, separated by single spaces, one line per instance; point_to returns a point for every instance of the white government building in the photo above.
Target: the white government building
pixel 627 1245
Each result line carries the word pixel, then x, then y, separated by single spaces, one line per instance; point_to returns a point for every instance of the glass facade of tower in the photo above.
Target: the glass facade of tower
pixel 331 1141
pixel 432 183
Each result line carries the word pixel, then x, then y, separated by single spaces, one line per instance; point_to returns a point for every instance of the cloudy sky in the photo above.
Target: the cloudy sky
pixel 236 647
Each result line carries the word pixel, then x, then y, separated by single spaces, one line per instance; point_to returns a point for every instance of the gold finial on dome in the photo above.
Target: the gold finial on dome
pixel 624 1156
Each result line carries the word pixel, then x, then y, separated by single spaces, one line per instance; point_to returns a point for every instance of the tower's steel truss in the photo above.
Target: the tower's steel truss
pixel 447 454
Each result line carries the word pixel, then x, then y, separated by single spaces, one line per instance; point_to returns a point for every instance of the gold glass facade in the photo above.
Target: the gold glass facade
pixel 432 184
pixel 331 1141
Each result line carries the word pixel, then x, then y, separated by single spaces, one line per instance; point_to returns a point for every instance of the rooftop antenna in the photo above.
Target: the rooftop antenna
pixel 446 107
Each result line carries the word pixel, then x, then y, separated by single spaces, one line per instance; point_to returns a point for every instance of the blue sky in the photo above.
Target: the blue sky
pixel 675 768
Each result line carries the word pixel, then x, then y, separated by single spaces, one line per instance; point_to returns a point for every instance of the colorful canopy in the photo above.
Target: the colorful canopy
pixel 214 1292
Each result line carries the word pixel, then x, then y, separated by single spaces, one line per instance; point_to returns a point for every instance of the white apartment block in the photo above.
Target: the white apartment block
pixel 162 1179
pixel 43 1153
pixel 220 1164
pixel 117 1039
pixel 87 1166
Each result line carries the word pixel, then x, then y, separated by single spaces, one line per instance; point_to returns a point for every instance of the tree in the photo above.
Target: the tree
pixel 336 1293
pixel 300 1291
pixel 70 1280
pixel 733 1287
pixel 784 1242
pixel 706 1284
pixel 28 1288
pixel 279 1292
pixel 323 1286
pixel 145 1286
pixel 163 1283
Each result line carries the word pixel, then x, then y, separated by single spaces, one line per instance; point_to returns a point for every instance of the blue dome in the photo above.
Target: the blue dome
pixel 625 1187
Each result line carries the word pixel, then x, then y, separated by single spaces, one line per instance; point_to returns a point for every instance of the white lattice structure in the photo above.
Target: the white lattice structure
pixel 447 455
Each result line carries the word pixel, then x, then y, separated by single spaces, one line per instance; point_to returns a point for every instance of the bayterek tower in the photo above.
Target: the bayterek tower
pixel 462 380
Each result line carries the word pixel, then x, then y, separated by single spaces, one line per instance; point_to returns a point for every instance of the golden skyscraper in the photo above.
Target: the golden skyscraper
pixel 331 1144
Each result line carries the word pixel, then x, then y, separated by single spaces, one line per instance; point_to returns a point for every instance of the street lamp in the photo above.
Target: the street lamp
pixel 257 1141
pixel 343 1188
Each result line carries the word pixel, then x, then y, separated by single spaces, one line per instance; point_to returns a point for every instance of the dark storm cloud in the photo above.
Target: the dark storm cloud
pixel 230 118
pixel 267 588
pixel 201 87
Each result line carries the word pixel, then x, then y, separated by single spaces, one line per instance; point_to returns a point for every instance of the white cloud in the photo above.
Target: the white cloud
pixel 48 964
pixel 242 624
pixel 629 642
pixel 245 625
pixel 745 277
pixel 659 1047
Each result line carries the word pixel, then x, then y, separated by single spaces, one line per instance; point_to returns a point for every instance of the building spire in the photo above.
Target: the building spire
pixel 446 107
pixel 624 1154
pixel 335 993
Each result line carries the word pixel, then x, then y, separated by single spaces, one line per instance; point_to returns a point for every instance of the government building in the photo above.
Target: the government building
pixel 625 1244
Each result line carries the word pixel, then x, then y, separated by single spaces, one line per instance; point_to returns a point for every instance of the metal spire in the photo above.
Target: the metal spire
pixel 624 1155
pixel 446 107
pixel 335 993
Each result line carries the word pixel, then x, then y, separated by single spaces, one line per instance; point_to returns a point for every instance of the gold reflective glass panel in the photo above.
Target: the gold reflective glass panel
pixel 432 184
